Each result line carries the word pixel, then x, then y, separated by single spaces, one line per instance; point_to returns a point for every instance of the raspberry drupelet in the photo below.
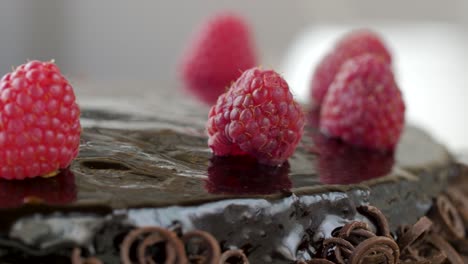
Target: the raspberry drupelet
pixel 257 116
pixel 39 121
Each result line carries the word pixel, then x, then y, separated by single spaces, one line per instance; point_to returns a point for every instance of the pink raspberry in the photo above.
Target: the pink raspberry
pixel 39 121
pixel 351 45
pixel 222 49
pixel 257 116
pixel 364 106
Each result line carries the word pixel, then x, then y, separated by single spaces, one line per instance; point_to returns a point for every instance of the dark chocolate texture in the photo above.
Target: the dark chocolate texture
pixel 147 163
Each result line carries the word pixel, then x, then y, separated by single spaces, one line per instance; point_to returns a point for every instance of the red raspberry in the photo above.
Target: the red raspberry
pixel 257 116
pixel 39 121
pixel 364 105
pixel 351 45
pixel 58 190
pixel 221 50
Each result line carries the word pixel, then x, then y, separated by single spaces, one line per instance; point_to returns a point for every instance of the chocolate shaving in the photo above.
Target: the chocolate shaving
pixel 447 219
pixel 438 258
pixel 362 233
pixel 381 249
pixel 377 217
pixel 413 233
pixel 461 246
pixel 77 259
pixel 349 227
pixel 460 201
pixel 438 242
pixel 355 232
pixel 338 248
pixel 412 255
pixel 175 252
pixel 234 254
pixel 211 251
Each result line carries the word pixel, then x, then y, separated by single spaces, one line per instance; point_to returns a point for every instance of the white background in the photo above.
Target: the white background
pixel 104 41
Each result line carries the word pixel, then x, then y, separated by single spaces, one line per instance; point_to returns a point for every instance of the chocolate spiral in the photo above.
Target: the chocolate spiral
pixel 444 247
pixel 208 247
pixel 447 219
pixel 339 248
pixel 377 217
pixel 382 248
pixel 233 254
pixel 414 232
pixel 355 232
pixel 175 252
pixel 460 201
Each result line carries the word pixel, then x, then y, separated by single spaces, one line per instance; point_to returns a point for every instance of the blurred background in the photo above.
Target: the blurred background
pixel 108 42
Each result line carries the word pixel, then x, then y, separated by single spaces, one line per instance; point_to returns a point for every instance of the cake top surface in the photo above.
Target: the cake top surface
pixel 152 152
pixel 146 151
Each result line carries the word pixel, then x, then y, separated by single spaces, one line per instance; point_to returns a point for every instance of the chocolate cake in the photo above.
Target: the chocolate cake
pixel 151 167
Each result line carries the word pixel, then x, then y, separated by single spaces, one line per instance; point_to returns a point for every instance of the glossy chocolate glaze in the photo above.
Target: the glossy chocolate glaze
pixel 151 166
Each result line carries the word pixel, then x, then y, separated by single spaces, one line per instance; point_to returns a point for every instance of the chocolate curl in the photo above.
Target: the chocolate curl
pixel 377 218
pixel 460 201
pixel 415 244
pixel 438 258
pixel 236 254
pixel 175 252
pixel 461 246
pixel 77 259
pixel 442 245
pixel 208 250
pixel 376 250
pixel 338 247
pixel 465 258
pixel 411 234
pixel 352 235
pixel 446 219
pixel 355 232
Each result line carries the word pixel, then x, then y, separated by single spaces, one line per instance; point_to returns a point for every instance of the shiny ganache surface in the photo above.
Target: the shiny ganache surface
pixel 158 156
pixel 146 162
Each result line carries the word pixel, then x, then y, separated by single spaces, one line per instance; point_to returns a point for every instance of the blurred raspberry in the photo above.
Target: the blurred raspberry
pixel 353 44
pixel 221 50
pixel 364 106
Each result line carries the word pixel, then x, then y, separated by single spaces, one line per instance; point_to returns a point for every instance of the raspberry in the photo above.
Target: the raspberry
pixel 221 50
pixel 243 175
pixel 258 117
pixel 351 45
pixel 58 190
pixel 39 121
pixel 364 106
